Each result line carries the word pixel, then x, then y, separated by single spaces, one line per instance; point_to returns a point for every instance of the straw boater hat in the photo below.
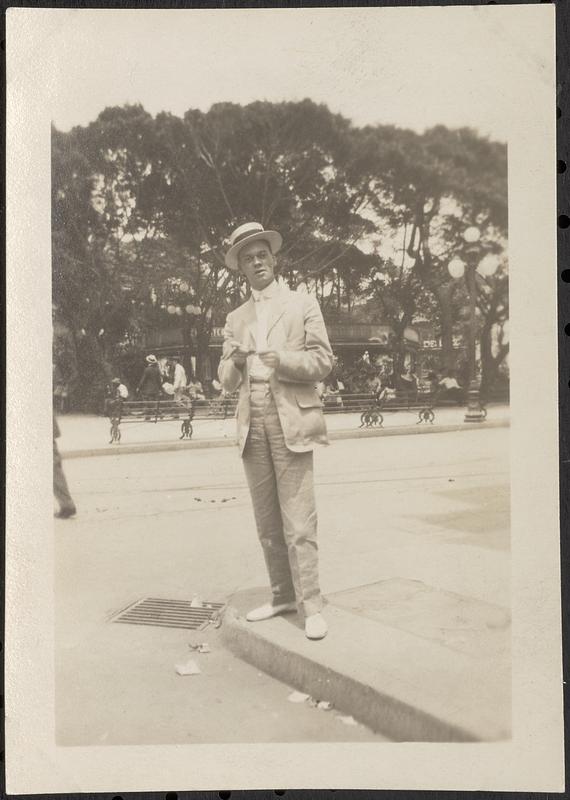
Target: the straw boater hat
pixel 247 233
pixel 151 359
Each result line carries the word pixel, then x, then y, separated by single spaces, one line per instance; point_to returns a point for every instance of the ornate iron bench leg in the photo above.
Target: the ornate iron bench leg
pixel 115 430
pixel 186 429
pixel 425 415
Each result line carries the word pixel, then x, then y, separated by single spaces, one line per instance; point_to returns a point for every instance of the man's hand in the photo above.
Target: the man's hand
pixel 238 354
pixel 270 358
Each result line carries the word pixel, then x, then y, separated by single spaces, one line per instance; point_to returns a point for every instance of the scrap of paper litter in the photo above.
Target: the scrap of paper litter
pixel 200 647
pixel 298 697
pixel 188 668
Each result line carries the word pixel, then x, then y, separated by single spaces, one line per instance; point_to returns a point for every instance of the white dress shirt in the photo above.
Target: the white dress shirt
pixel 179 381
pixel 263 301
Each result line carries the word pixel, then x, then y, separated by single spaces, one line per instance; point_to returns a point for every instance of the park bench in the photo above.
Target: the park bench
pixel 424 403
pixel 371 408
pixel 167 409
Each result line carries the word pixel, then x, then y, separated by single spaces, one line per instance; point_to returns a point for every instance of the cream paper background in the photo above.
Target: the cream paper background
pixel 523 36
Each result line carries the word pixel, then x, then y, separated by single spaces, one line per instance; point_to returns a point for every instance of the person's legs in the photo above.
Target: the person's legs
pixel 261 480
pixel 295 487
pixel 60 487
pixel 145 406
pixel 150 408
pixel 178 400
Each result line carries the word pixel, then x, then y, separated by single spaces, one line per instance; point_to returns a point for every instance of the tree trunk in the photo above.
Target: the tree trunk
pixel 399 358
pixel 443 295
pixel 399 351
pixel 489 363
pixel 203 337
pixel 188 347
pixel 237 293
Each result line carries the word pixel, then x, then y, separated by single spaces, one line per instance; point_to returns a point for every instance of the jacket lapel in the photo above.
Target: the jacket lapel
pixel 278 308
pixel 248 317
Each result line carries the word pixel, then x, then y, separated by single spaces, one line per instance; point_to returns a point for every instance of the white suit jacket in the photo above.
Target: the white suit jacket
pixel 296 330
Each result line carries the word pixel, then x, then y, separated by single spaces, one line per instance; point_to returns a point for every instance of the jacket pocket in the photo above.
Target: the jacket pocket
pixel 308 399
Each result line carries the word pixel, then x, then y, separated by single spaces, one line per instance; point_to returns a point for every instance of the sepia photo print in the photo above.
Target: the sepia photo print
pixel 289 376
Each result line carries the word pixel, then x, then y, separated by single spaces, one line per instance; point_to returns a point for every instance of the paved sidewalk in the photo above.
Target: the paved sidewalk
pixel 402 657
pixel 87 435
pixel 414 538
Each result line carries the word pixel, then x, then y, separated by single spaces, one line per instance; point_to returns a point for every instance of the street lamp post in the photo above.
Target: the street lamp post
pixel 487 265
pixel 475 412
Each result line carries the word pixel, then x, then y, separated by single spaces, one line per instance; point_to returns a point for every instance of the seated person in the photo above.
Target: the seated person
pixel 196 390
pixel 449 388
pixel 408 385
pixel 332 394
pixel 374 384
pixel 116 393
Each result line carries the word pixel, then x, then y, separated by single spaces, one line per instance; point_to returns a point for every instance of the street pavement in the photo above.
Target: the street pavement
pixel 430 509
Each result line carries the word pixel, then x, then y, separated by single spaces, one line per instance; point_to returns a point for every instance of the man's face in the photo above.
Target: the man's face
pixel 257 263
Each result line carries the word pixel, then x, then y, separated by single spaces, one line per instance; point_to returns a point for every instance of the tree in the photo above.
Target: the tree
pixel 75 268
pixel 493 302
pixel 281 164
pixel 143 207
pixel 432 186
pixel 401 300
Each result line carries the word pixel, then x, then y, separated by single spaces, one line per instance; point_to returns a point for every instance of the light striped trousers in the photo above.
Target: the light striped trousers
pixel 282 491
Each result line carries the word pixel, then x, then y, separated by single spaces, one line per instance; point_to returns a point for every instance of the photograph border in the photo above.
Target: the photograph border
pixel 20 449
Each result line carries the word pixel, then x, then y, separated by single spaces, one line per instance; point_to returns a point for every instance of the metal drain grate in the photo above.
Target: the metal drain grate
pixel 168 613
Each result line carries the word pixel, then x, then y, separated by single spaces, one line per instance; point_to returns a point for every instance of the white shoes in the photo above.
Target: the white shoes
pixel 315 627
pixel 268 611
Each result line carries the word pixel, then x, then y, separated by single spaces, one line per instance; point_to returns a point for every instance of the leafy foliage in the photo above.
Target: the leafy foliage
pixel 143 207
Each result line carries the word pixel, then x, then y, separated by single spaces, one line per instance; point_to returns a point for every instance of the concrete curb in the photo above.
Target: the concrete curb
pixel 357 433
pixel 407 430
pixel 388 705
pixel 146 447
pixel 380 712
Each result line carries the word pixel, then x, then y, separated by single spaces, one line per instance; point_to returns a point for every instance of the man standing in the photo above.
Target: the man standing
pixel 276 349
pixel 60 488
pixel 150 386
pixel 179 379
